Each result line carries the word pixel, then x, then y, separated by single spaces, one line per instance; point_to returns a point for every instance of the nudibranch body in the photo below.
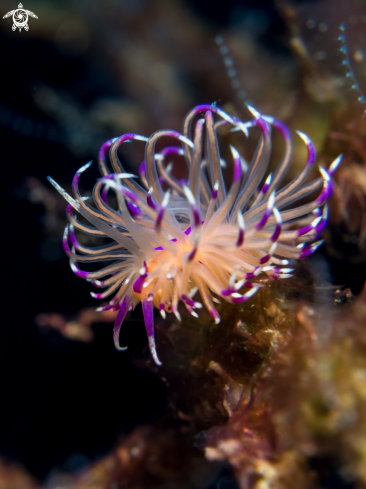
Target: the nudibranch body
pixel 174 239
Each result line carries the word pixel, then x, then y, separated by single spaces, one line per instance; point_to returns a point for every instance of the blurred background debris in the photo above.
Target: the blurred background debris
pixel 274 396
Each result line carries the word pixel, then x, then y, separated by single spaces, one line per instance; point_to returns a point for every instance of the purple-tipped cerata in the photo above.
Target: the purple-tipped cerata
pixel 171 238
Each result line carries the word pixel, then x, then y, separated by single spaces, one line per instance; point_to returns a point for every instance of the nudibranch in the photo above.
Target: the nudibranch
pixel 173 240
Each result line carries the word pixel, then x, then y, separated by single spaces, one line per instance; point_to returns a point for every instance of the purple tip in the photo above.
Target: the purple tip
pixel 173 134
pixel 78 272
pixel 238 300
pixel 306 252
pixel 264 219
pixel 104 195
pixel 264 259
pixel 284 130
pixel 125 306
pixel 129 195
pixel 148 310
pixel 196 216
pixel 187 300
pixel 240 240
pixel 70 210
pixel 321 225
pixel 150 202
pixel 311 154
pixel 325 194
pixel 229 291
pixel 142 168
pixel 124 138
pixel 250 275
pixel 97 296
pixel 310 147
pixel 110 176
pixel 139 283
pixel 65 241
pixel 104 149
pixel 309 249
pixel 160 217
pixel 107 307
pixel 73 240
pixel 171 150
pixel 214 314
pixel 237 170
pixel 214 194
pixel 75 180
pixel 135 211
pixel 263 126
pixel 276 233
pixel 192 254
pixel 305 230
pixel 204 108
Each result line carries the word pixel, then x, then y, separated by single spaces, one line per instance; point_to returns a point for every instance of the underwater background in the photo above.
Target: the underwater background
pixel 278 399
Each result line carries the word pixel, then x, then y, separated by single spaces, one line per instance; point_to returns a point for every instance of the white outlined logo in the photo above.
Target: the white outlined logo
pixel 20 17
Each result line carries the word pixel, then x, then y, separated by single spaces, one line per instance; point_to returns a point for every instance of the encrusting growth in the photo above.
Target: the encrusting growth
pixel 174 238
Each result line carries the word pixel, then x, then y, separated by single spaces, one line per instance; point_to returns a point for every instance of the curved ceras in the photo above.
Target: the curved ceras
pixel 174 238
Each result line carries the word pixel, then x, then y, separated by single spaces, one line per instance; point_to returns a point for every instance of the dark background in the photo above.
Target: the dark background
pixel 65 403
